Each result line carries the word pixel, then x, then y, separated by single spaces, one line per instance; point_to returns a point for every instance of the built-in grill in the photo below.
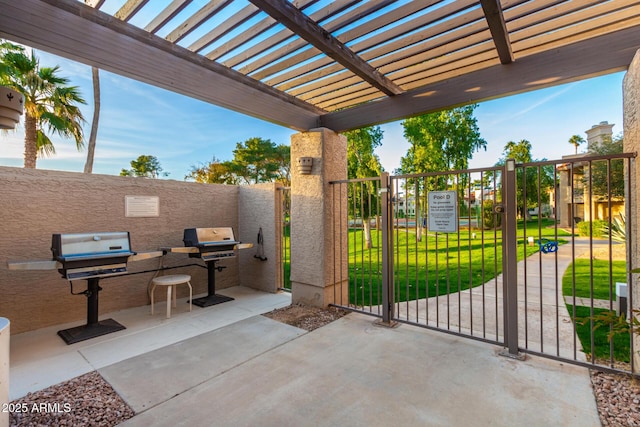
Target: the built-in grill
pixel 91 256
pixel 212 245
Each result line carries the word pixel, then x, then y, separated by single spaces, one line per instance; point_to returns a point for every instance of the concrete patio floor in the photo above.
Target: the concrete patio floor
pixel 248 370
pixel 40 358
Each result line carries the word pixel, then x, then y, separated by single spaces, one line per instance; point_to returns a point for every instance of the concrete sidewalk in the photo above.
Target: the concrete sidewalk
pixel 544 323
pixel 259 372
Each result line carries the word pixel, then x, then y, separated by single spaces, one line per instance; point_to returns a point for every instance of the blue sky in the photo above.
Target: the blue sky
pixel 182 132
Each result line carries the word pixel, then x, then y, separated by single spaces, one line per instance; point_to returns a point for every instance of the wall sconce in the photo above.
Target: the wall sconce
pixel 11 103
pixel 304 165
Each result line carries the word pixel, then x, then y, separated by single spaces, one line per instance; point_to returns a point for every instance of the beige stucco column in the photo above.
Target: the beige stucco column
pixel 631 113
pixel 318 247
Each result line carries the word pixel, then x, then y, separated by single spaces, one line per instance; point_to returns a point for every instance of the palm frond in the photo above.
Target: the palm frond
pixel 44 145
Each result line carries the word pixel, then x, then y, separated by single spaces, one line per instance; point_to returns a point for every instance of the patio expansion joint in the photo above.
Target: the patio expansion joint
pixel 192 375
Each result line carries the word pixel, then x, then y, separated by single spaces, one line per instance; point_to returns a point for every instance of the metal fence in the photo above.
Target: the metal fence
pixel 285 245
pixel 526 264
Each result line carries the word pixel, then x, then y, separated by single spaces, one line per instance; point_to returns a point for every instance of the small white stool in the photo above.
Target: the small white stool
pixel 170 282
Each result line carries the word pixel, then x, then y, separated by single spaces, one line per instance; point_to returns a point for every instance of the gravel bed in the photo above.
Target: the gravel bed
pixel 306 317
pixel 618 399
pixel 87 400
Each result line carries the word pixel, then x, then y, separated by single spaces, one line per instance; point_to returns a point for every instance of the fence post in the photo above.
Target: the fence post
pixel 387 251
pixel 510 259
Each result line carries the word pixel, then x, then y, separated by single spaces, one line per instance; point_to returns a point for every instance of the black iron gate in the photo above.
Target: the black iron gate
pixel 518 255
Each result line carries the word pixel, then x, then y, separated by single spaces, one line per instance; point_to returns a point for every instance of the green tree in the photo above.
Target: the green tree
pixel 214 172
pixel 362 162
pixel 532 182
pixel 261 160
pixel 607 177
pixel 49 102
pixel 576 140
pixel 146 166
pixel 440 142
pixel 282 158
pixel 255 160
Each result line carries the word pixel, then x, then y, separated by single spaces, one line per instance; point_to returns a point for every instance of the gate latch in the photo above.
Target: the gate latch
pixel 499 209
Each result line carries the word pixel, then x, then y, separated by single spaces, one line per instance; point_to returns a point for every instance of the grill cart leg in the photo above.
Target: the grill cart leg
pixel 211 298
pixel 93 328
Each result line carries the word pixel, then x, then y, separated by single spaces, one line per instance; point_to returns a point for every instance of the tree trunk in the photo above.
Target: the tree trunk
pixel 30 141
pixel 419 227
pixel 366 226
pixel 95 74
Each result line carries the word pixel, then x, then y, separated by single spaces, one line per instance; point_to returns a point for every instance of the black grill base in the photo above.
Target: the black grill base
pixel 210 300
pixel 86 332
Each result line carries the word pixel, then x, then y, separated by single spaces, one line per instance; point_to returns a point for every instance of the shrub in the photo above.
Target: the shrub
pixel 597 227
pixel 489 218
pixel 618 231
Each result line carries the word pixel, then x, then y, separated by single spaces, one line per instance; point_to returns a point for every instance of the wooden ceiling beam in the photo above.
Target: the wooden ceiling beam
pixel 288 15
pixel 124 49
pixel 167 14
pixel 601 55
pixel 497 26
pixel 130 8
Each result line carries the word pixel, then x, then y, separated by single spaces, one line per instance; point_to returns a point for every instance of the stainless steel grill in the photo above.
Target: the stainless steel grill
pixel 91 255
pixel 212 243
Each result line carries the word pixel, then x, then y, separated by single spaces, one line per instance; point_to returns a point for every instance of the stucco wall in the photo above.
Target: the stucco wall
pixel 318 255
pixel 631 113
pixel 37 203
pixel 259 207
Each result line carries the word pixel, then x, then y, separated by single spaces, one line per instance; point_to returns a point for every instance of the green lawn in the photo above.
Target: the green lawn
pixel 603 287
pixel 586 321
pixel 619 345
pixel 438 265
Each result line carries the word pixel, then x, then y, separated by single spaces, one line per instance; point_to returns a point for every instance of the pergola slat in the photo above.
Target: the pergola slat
pixel 250 53
pixel 167 14
pixel 130 8
pixel 228 25
pixel 588 58
pixel 295 20
pixel 447 48
pixel 380 42
pixel 36 23
pixel 335 25
pixel 363 55
pixel 193 22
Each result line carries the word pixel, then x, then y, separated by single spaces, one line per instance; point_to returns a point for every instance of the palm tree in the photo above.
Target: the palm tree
pixel 91 147
pixel 576 140
pixel 49 103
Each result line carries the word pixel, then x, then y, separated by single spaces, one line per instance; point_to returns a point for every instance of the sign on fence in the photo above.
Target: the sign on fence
pixel 443 211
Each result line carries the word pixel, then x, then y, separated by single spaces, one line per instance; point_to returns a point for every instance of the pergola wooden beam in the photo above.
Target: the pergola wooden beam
pixel 554 43
pixel 95 38
pixel 130 8
pixel 301 24
pixel 585 59
pixel 497 26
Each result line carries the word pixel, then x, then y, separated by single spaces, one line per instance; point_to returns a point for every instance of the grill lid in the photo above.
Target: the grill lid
pixel 85 246
pixel 88 255
pixel 219 238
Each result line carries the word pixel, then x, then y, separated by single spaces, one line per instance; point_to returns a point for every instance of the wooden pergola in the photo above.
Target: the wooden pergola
pixel 336 64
